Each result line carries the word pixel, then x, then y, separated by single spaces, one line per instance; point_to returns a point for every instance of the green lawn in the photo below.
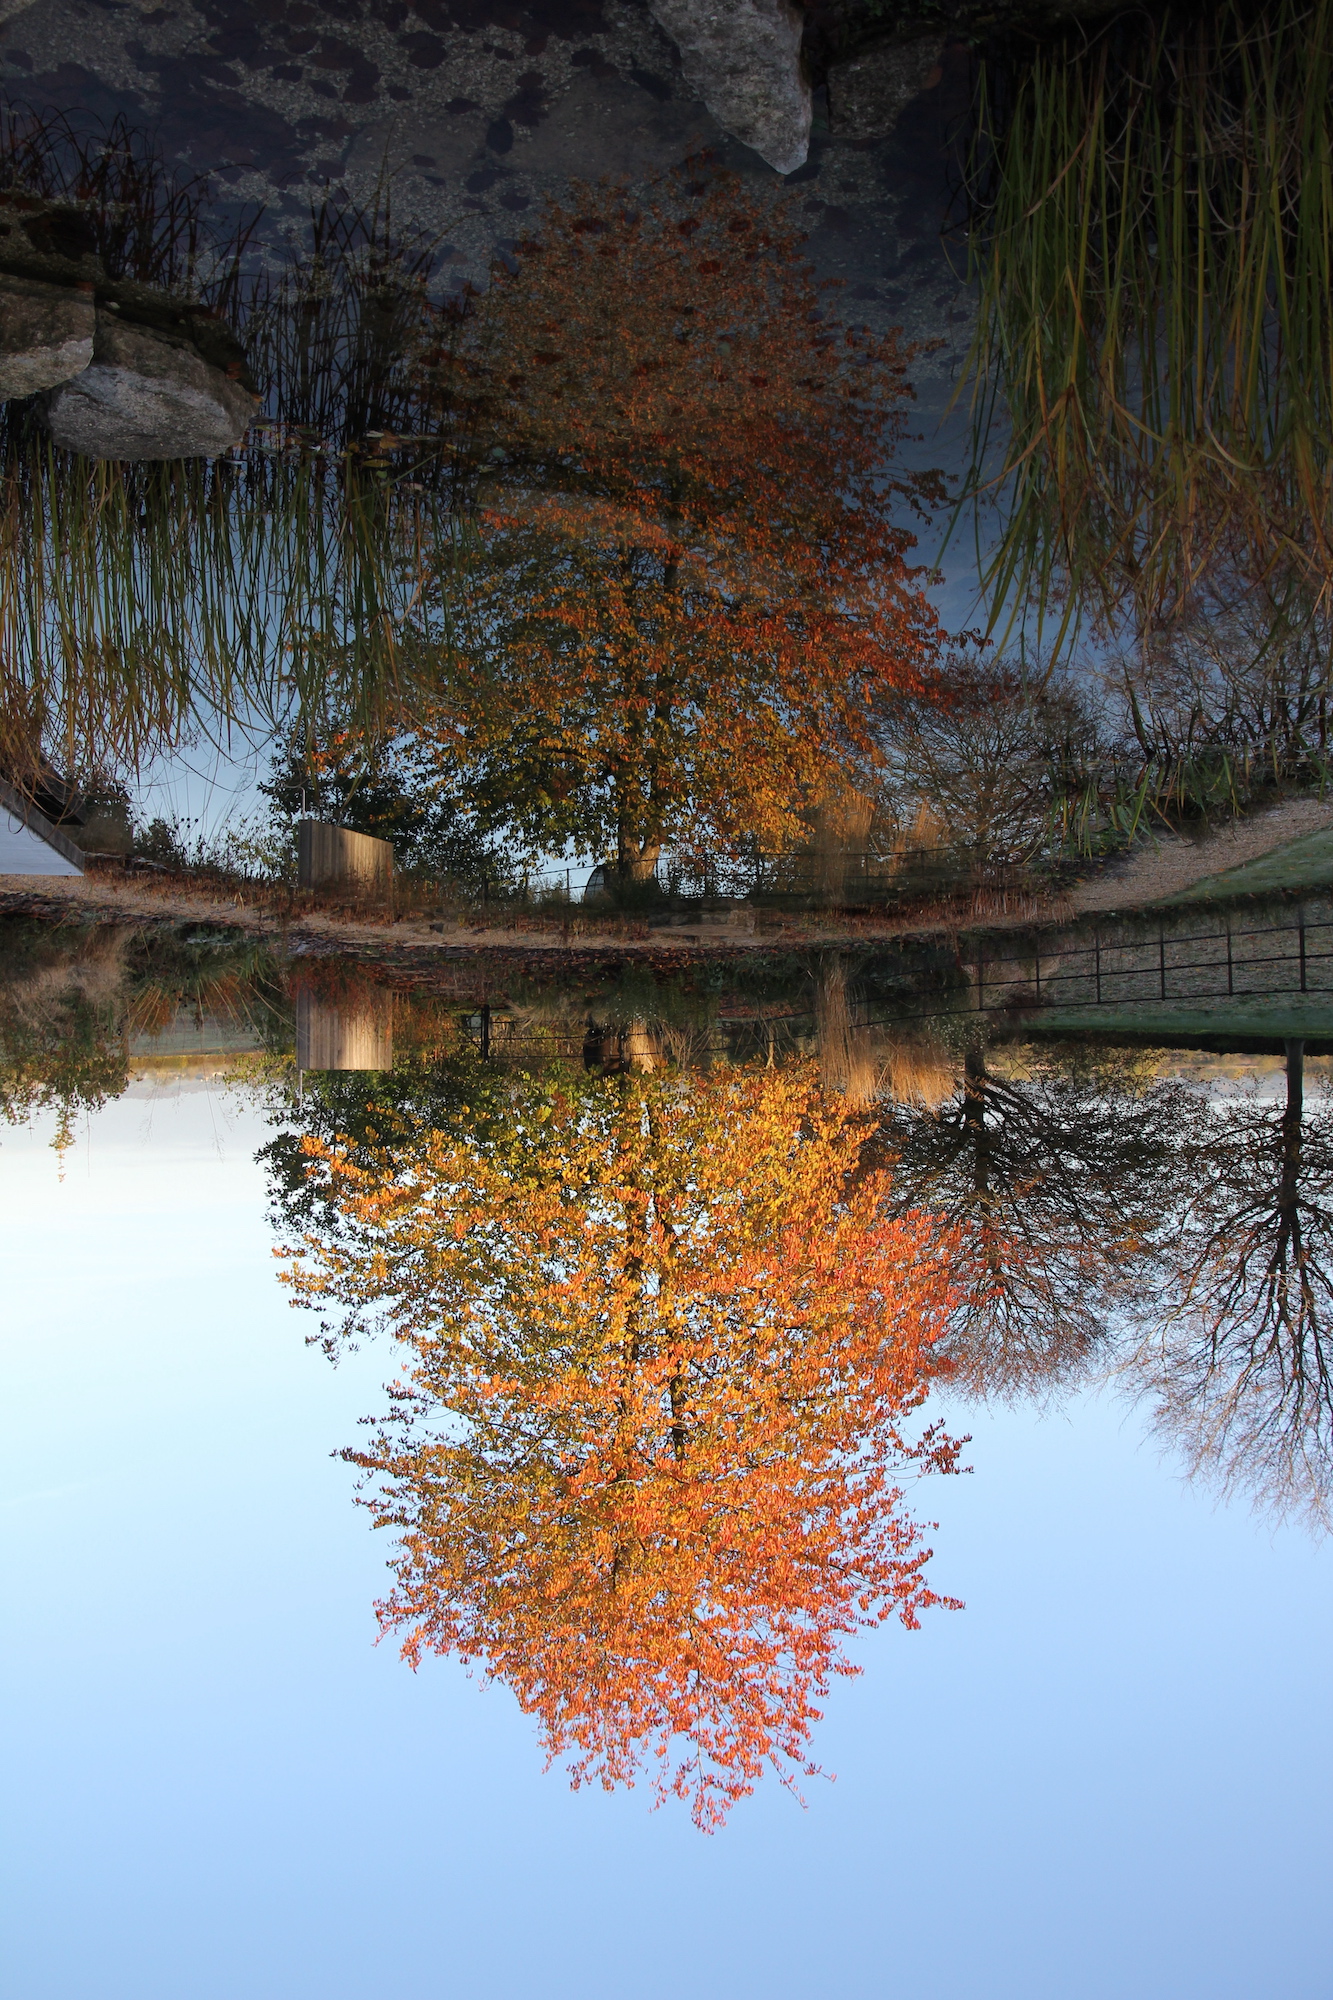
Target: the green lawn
pixel 1285 1014
pixel 1306 863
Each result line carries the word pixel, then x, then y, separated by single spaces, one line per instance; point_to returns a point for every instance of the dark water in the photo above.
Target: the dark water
pixel 480 117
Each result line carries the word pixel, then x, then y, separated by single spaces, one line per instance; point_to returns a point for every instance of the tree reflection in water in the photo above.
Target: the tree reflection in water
pixel 1113 1220
pixel 1240 1365
pixel 1055 1181
pixel 661 1342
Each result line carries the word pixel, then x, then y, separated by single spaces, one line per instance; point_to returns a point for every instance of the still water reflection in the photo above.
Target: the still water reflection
pixel 797 1209
pixel 673 1268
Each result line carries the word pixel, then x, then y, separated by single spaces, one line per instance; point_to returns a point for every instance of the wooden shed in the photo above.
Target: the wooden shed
pixel 346 1032
pixel 335 857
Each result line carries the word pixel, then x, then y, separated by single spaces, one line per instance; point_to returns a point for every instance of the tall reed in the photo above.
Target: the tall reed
pixel 144 221
pixel 144 604
pixel 1152 375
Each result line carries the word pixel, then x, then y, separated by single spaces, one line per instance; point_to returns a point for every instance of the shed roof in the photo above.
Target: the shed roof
pixel 29 843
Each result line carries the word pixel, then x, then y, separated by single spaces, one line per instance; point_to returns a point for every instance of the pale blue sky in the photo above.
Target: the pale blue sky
pixel 1107 1777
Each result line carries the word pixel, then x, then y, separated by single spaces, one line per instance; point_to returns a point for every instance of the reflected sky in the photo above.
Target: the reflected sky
pixel 224 1783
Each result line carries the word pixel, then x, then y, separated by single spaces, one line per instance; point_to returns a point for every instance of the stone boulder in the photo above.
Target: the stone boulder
pixel 743 58
pixel 46 335
pixel 868 93
pixel 198 326
pixel 51 241
pixel 149 393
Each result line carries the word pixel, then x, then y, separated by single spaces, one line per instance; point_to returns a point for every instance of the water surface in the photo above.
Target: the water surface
pixel 223 1780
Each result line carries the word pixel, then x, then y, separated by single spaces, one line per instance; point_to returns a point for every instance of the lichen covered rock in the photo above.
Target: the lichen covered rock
pixel 149 394
pixel 743 58
pixel 869 93
pixel 46 335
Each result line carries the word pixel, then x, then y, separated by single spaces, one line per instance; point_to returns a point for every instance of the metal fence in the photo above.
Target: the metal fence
pixel 1166 966
pixel 796 880
pixel 1191 964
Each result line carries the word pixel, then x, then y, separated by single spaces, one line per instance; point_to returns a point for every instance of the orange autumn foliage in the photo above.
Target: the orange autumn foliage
pixel 692 587
pixel 647 1454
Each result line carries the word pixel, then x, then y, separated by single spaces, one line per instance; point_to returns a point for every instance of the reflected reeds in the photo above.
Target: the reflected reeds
pixel 148 604
pixel 1152 227
pixel 145 604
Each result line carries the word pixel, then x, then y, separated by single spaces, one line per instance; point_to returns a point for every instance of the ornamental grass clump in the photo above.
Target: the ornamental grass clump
pixel 1152 376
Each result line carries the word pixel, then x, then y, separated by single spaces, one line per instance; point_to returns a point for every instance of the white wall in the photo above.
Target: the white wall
pixel 23 852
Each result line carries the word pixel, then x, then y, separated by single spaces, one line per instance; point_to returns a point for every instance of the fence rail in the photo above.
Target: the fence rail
pixel 1049 977
pixel 835 878
pixel 1262 961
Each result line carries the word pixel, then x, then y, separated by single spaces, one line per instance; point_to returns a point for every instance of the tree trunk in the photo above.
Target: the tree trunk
pixel 1289 1196
pixel 636 1047
pixel 974 1117
pixel 636 860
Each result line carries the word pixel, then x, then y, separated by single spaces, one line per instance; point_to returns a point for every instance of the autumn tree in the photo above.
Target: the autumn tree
pixel 391 788
pixel 660 1347
pixel 1237 1351
pixel 692 582
pixel 1055 1183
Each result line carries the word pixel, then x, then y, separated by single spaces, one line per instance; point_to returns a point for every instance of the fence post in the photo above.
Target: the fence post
pixel 486 1033
pixel 1097 963
pixel 1231 975
pixel 1161 958
pixel 1301 935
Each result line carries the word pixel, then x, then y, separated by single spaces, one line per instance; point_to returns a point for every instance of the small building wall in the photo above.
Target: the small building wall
pixel 334 857
pixel 343 1033
pixel 29 843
